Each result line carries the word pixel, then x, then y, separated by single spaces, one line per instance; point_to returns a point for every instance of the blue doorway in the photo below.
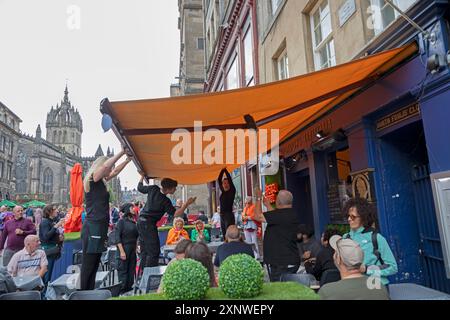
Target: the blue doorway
pixel 299 184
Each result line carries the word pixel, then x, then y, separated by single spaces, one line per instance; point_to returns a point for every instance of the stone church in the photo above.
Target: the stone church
pixel 43 164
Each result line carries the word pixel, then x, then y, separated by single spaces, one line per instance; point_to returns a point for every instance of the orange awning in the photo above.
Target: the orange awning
pixel 145 126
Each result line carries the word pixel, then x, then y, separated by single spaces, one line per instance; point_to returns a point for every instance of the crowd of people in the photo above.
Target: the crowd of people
pixel 358 258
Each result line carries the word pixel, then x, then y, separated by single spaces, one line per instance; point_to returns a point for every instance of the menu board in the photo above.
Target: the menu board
pixel 441 192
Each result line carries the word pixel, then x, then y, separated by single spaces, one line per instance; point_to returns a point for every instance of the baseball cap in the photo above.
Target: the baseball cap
pixel 349 251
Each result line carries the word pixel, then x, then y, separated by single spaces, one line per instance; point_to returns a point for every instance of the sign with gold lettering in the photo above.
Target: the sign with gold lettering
pixel 398 116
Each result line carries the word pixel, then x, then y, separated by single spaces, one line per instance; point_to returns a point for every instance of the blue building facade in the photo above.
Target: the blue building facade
pixel 383 144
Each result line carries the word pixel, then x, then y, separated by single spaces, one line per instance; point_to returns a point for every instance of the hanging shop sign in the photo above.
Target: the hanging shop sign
pixel 398 116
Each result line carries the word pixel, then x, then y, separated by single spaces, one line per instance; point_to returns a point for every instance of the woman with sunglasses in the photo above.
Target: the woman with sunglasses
pixel 377 262
pixel 51 238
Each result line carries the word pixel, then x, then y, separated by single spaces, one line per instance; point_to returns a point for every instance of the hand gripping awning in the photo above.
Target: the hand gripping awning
pixel 146 126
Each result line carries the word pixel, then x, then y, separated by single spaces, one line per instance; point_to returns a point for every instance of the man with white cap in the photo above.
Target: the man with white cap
pixel 353 285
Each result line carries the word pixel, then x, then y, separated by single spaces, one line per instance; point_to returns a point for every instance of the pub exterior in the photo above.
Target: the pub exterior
pixel 383 144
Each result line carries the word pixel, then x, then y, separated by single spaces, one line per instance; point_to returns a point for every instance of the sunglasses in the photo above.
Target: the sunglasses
pixel 352 217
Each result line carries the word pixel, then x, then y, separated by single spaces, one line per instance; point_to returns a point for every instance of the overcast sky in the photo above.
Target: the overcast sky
pixel 120 49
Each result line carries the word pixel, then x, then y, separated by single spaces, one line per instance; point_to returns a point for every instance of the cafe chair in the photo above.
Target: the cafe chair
pixel 114 289
pixel 22 295
pixel 302 278
pixel 90 295
pixel 153 283
pixel 330 275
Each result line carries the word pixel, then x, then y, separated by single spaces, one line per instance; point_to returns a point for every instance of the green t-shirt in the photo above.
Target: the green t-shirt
pixel 353 289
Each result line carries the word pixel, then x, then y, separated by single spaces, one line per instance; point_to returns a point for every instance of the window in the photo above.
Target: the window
pixel 9 172
pixel 2 143
pixel 383 14
pixel 48 181
pixel 200 43
pixel 248 58
pixel 233 75
pixel 274 4
pixel 1 169
pixel 283 66
pixel 11 148
pixel 323 43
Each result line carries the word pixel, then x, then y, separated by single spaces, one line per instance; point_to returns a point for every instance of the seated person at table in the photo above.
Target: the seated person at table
pixel 178 254
pixel 199 251
pixel 233 245
pixel 308 246
pixel 353 285
pixel 177 233
pixel 30 261
pixel 7 284
pixel 324 260
pixel 200 233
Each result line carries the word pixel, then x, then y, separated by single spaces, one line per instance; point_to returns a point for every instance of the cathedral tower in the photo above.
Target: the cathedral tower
pixel 64 126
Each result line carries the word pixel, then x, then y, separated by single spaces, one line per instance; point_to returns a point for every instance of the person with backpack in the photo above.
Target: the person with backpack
pixel 379 260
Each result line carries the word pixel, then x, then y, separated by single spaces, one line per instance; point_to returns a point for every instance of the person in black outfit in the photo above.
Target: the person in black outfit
pixel 95 227
pixel 234 245
pixel 280 239
pixel 156 206
pixel 50 238
pixel 226 200
pixel 126 240
pixel 324 260
pixel 202 216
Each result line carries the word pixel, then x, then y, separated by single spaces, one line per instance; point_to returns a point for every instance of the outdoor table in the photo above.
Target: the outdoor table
pixel 68 283
pixel 150 271
pixel 214 245
pixel 26 283
pixel 412 291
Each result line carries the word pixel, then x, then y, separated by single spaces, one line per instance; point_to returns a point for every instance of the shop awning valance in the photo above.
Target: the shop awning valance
pixel 145 126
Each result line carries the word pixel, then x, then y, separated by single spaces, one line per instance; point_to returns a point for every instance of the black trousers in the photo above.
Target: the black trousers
pixel 275 271
pixel 149 242
pixel 89 269
pixel 226 220
pixel 126 269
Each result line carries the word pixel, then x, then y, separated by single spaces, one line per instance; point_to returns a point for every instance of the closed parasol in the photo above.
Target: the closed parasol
pixel 73 219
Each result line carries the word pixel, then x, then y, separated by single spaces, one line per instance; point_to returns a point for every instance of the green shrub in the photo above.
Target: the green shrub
pixel 241 276
pixel 341 228
pixel 185 279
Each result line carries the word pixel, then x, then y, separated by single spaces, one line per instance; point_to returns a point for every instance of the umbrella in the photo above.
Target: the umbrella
pixel 73 218
pixel 34 204
pixel 8 203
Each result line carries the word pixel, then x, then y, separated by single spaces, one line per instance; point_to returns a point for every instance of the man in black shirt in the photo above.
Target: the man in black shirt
pixel 280 238
pixel 234 245
pixel 156 206
pixel 226 200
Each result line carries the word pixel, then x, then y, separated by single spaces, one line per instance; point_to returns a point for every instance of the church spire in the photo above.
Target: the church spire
pixel 66 94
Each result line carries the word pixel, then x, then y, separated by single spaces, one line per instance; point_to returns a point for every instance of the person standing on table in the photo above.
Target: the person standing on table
pixel 226 200
pixel 156 206
pixel 95 228
pixel 126 240
pixel 15 231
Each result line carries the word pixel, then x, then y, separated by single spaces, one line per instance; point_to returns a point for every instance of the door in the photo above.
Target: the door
pixel 430 245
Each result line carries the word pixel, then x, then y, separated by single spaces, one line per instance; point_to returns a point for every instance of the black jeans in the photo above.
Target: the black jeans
pixel 127 268
pixel 226 220
pixel 275 271
pixel 149 242
pixel 89 268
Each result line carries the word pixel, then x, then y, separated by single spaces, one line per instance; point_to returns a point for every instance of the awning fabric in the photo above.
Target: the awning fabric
pixel 287 105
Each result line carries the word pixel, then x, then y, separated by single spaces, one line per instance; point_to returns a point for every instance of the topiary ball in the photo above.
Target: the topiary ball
pixel 241 276
pixel 185 279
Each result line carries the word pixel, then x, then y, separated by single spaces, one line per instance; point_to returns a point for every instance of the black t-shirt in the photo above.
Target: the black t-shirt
pixel 324 261
pixel 230 248
pixel 97 202
pixel 126 232
pixel 280 239
pixel 157 203
pixel 226 197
